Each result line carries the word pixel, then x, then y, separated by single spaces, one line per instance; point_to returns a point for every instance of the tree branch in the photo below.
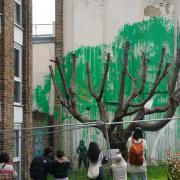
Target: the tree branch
pixel 160 64
pixel 72 88
pixel 152 91
pixel 156 109
pixel 144 64
pixel 102 110
pixel 89 81
pixel 132 112
pixel 104 77
pixel 122 84
pixel 175 73
pixel 134 91
pixel 63 81
pixel 56 88
pixel 73 76
pixel 157 125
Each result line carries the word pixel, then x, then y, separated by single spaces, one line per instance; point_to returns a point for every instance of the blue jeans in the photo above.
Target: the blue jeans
pixel 134 176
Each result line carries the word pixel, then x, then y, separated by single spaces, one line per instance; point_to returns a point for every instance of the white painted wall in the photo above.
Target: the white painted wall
pixel 88 22
pixel 177 10
pixel 93 22
pixel 42 53
pixel 68 23
pixel 118 13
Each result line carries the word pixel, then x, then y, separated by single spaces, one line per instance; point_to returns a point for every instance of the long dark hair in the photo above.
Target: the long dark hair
pixel 93 152
pixel 137 133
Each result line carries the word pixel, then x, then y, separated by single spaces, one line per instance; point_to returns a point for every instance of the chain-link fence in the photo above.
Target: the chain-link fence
pixel 67 137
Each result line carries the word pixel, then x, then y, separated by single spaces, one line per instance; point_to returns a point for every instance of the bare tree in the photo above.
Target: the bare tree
pixel 125 106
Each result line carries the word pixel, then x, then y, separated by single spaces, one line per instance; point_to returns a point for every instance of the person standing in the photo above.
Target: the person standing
pixel 119 168
pixel 60 166
pixel 82 151
pixel 136 146
pixel 41 165
pixel 95 158
pixel 7 171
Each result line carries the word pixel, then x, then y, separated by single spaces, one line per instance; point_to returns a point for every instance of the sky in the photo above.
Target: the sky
pixel 43 11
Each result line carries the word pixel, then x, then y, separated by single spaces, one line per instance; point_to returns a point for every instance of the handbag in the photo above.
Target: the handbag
pixel 93 171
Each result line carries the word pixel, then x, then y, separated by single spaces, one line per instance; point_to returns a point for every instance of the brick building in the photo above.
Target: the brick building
pixel 16 82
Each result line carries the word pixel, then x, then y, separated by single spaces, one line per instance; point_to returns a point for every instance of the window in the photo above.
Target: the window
pixel 17 74
pixel 16 143
pixel 16 62
pixel 18 12
pixel 17 149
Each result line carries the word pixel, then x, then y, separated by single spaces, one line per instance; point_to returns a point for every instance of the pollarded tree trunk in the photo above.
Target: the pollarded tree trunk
pixel 118 140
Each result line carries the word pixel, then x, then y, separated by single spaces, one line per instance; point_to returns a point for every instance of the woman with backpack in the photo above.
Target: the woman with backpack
pixel 136 146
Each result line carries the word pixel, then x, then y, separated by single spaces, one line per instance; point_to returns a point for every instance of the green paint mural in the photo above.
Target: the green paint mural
pixel 149 36
pixel 41 95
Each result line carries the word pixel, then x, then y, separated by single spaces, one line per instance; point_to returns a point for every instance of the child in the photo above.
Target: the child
pixel 119 168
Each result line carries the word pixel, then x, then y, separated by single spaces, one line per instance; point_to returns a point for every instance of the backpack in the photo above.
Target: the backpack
pixel 136 153
pixel 38 168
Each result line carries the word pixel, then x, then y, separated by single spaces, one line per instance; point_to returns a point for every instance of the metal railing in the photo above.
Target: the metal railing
pixel 43 29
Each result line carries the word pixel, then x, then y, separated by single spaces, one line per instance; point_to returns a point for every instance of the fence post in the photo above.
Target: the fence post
pixel 71 147
pixel 108 147
pixel 107 141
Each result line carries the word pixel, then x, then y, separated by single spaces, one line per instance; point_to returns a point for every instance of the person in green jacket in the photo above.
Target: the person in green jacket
pixel 82 151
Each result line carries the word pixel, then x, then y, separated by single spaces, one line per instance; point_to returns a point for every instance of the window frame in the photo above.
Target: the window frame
pixel 19 79
pixel 18 2
pixel 17 159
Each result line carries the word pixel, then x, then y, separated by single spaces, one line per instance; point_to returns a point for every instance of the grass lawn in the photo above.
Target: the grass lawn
pixel 154 173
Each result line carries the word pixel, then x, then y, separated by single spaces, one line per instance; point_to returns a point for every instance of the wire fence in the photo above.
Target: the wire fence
pixel 67 136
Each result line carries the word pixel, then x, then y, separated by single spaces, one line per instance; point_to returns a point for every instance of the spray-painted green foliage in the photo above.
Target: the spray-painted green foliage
pixel 41 95
pixel 149 36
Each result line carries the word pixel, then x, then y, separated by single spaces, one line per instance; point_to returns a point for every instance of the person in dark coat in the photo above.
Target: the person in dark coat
pixel 60 166
pixel 41 165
